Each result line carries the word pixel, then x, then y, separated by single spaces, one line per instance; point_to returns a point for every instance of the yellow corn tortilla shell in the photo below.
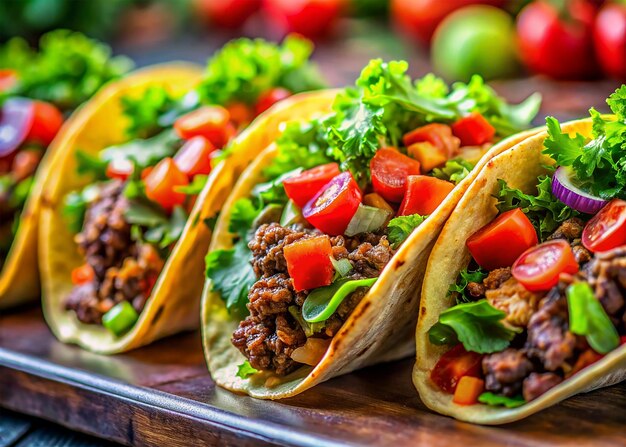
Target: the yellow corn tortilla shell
pixel 519 167
pixel 174 305
pixel 19 277
pixel 381 328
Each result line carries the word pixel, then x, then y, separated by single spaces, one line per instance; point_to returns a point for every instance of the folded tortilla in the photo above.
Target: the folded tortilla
pixel 382 326
pixel 519 167
pixel 175 300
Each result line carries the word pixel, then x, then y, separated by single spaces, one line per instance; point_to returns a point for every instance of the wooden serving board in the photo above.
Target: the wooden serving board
pixel 162 395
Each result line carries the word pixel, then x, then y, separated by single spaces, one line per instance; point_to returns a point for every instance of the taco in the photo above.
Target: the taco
pixel 148 162
pixel 38 90
pixel 523 303
pixel 317 252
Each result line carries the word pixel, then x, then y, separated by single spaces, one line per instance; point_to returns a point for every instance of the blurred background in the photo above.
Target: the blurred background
pixel 572 51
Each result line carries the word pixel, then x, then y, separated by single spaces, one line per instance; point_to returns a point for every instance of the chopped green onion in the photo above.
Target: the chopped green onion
pixel 366 220
pixel 324 301
pixel 342 266
pixel 120 318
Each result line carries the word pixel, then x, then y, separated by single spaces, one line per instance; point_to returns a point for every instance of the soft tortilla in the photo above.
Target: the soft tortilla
pixel 175 302
pixel 381 328
pixel 519 167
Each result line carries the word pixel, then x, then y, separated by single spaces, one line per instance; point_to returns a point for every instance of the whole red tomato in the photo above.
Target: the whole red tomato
pixel 609 35
pixel 558 43
pixel 227 13
pixel 419 18
pixel 311 18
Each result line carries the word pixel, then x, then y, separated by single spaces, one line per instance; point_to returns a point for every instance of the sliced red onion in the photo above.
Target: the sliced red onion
pixel 564 189
pixel 16 118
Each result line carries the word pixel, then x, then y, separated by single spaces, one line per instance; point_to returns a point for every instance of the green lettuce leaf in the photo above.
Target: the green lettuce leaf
pixel 454 170
pixel 245 370
pixel 588 318
pixel 544 210
pixel 459 289
pixel 144 112
pixel 477 325
pixel 498 400
pixel 322 302
pixel 400 228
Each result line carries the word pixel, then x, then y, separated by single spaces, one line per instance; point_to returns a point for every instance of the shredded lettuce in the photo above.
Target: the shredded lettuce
pixel 454 170
pixel 400 228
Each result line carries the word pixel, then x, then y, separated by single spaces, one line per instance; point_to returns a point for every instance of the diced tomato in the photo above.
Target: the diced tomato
pixel 439 135
pixel 473 130
pixel 502 241
pixel 308 262
pixel 240 113
pixel 8 78
pixel 467 390
pixel 332 208
pixel 47 120
pixel 390 170
pixel 82 274
pixel 607 229
pixel 302 187
pixel 210 122
pixel 161 184
pixel 423 195
pixel 539 267
pixel 586 358
pixel 453 365
pixel 271 97
pixel 120 168
pixel 194 157
pixel 429 155
pixel 25 163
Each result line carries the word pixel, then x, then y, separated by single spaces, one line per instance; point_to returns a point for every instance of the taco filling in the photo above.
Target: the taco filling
pixel 33 100
pixel 128 220
pixel 544 296
pixel 338 198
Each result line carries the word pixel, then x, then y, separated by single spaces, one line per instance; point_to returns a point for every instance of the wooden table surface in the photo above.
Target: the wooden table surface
pixel 162 395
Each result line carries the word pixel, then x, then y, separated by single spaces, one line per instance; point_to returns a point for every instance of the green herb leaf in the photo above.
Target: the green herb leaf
pixel 244 69
pixel 587 317
pixel 144 153
pixel 477 325
pixel 195 187
pixel 232 276
pixel 67 70
pixel 144 112
pixel 544 210
pixel 400 228
pixel 460 287
pixel 242 217
pixel 499 400
pixel 91 165
pixel 75 206
pixel 158 228
pixel 454 170
pixel 322 302
pixel 245 370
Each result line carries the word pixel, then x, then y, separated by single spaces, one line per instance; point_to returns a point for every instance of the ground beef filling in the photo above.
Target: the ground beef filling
pixel 548 352
pixel 123 269
pixel 270 334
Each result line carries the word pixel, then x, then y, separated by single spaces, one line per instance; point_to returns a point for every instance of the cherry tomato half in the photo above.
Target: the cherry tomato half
pixel 502 241
pixel 332 208
pixel 453 365
pixel 301 188
pixel 308 262
pixel 423 195
pixel 539 267
pixel 439 135
pixel 210 122
pixel 47 120
pixel 607 229
pixel 473 130
pixel 194 157
pixel 161 184
pixel 271 97
pixel 390 170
